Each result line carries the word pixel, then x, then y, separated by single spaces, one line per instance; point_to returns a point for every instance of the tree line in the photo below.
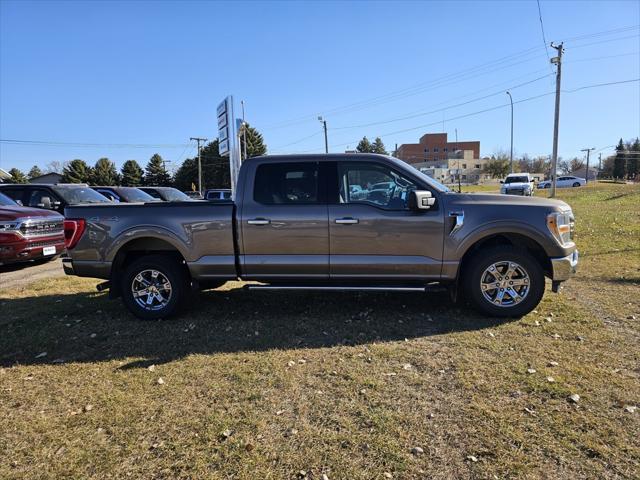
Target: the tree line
pixel 215 169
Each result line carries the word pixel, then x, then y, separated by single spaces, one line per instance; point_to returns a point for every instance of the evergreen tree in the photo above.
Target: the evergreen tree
pixel 364 146
pixel 620 162
pixel 155 173
pixel 105 173
pixel 378 147
pixel 215 170
pixel 77 171
pixel 34 172
pixel 17 176
pixel 131 174
pixel 255 142
pixel 634 159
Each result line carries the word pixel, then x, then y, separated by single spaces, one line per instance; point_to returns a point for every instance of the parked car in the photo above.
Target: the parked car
pixel 28 233
pixel 517 184
pixel 292 226
pixel 564 182
pixel 218 194
pixel 52 197
pixel 166 194
pixel 125 194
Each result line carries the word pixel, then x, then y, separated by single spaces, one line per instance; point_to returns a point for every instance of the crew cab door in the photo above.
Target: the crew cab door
pixel 284 221
pixel 373 235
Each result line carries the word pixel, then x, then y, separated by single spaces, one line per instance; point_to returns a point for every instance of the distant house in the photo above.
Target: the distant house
pixel 48 178
pixel 582 173
pixel 4 176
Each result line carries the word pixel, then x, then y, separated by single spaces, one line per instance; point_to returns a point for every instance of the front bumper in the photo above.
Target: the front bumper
pixel 30 249
pixel 564 268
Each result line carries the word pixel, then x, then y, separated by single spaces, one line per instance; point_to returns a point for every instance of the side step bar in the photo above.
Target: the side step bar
pixel 335 288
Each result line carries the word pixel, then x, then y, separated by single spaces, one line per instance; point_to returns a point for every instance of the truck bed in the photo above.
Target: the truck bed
pixel 202 232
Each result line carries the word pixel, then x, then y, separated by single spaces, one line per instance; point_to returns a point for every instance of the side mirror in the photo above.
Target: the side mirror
pixel 533 180
pixel 501 181
pixel 19 202
pixel 421 200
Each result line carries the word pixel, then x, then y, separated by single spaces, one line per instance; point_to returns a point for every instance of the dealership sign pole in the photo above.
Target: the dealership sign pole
pixel 228 144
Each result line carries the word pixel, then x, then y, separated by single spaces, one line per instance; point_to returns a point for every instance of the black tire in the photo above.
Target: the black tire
pixel 547 185
pixel 476 271
pixel 169 269
pixel 576 184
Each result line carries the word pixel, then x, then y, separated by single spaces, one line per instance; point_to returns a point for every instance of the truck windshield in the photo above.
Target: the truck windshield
pixel 78 195
pixel 136 195
pixel 175 195
pixel 431 181
pixel 6 201
pixel 516 180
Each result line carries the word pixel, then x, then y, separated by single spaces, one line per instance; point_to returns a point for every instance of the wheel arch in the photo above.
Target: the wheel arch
pixel 139 247
pixel 519 240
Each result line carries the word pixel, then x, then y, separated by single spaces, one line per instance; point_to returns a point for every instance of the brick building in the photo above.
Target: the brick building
pixel 434 147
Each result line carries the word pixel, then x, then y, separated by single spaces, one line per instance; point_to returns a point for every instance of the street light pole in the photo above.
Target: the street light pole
pixel 511 99
pixel 326 141
pixel 588 150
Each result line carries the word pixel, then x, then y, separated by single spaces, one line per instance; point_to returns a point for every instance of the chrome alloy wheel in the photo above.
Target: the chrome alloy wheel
pixel 151 289
pixel 505 284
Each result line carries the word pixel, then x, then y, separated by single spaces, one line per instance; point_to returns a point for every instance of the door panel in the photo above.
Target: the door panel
pixel 385 239
pixel 284 224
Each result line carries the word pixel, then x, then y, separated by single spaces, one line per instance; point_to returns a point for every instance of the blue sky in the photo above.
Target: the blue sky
pixel 151 73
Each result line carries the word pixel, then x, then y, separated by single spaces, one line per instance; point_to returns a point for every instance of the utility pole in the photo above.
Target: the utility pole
pixel 511 156
pixel 588 150
pixel 556 119
pixel 458 157
pixel 326 141
pixel 599 163
pixel 197 139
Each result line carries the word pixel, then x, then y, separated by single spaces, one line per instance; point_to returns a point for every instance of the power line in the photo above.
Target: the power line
pixel 421 114
pixel 81 144
pixel 544 39
pixel 472 72
pixel 486 110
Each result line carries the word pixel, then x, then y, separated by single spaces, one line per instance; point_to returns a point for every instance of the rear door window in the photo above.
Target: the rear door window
pixel 287 184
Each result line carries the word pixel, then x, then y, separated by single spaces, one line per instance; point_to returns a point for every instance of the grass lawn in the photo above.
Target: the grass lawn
pixel 296 385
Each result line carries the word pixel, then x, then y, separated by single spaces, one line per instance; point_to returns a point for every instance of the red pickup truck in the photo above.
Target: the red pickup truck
pixel 29 233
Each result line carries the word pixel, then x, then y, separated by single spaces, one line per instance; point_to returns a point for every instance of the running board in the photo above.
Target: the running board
pixel 321 288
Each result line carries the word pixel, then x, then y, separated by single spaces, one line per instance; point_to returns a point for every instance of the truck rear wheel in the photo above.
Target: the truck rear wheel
pixel 504 281
pixel 154 287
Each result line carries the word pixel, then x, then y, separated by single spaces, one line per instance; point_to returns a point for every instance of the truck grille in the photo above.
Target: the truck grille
pixel 41 228
pixel 44 243
pixel 515 191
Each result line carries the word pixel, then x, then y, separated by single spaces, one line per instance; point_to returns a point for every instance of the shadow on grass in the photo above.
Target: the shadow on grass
pixel 87 327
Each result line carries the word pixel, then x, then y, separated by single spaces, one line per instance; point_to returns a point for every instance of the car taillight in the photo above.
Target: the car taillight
pixel 73 230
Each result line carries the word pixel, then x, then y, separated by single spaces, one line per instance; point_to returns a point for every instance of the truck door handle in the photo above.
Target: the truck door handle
pixel 259 221
pixel 346 221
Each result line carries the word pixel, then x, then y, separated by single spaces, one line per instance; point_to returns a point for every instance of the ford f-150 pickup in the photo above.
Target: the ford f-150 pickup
pixel 328 222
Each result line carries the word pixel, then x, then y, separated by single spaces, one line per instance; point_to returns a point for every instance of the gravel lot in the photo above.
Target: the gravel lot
pixel 19 275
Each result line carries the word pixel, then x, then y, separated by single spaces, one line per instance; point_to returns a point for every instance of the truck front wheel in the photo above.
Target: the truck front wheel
pixel 503 281
pixel 154 287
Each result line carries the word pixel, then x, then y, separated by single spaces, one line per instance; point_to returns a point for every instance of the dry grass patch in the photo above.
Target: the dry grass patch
pixel 267 385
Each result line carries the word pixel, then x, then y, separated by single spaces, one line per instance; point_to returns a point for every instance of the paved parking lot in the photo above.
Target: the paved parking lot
pixel 19 275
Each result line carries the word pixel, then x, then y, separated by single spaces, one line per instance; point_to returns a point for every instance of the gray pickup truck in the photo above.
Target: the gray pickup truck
pixel 327 222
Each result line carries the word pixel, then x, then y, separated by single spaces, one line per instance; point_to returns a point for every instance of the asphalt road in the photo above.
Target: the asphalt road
pixel 19 275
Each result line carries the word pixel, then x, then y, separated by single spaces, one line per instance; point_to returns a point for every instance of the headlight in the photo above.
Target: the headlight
pixel 562 226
